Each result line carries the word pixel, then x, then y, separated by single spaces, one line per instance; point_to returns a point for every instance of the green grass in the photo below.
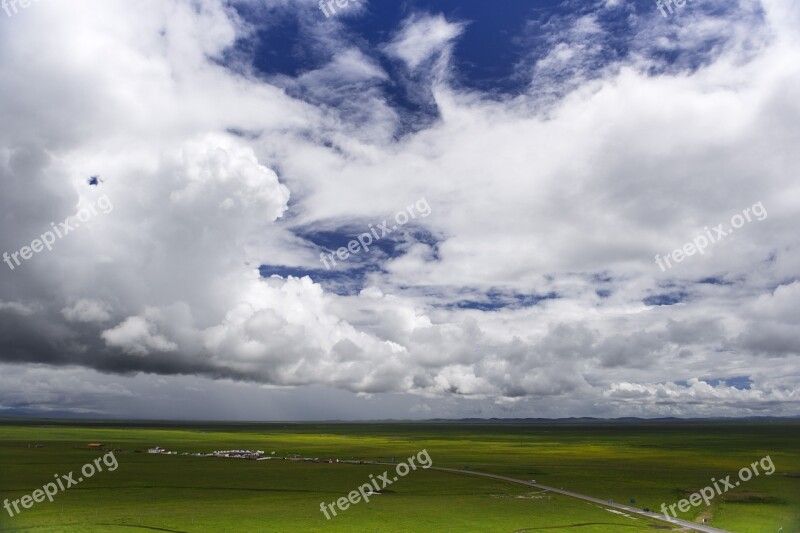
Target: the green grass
pixel 651 462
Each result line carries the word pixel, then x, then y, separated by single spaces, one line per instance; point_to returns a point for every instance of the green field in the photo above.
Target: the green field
pixel 653 462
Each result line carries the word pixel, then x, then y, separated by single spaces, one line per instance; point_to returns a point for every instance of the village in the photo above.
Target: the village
pixel 257 455
pixel 227 454
pixel 253 455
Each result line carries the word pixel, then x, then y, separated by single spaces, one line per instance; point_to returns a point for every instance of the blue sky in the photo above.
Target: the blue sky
pixel 401 210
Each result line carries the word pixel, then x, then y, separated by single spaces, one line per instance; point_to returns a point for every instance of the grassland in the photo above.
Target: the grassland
pixel 654 463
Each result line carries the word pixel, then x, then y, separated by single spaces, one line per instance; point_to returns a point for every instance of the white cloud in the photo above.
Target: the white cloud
pixel 73 390
pixel 213 171
pixel 18 308
pixel 137 335
pixel 421 38
pixel 87 311
pixel 699 398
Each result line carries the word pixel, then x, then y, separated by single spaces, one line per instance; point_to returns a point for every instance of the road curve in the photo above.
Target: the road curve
pixel 604 503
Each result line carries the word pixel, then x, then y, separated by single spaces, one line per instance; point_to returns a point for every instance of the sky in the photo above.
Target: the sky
pixel 276 210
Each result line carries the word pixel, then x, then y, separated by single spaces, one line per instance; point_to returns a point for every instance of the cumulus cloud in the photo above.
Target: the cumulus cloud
pixel 533 277
pixel 87 311
pixel 700 398
pixel 136 335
